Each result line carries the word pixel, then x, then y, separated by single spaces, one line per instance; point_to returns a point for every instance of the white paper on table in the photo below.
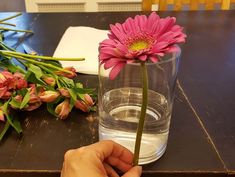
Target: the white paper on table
pixel 81 42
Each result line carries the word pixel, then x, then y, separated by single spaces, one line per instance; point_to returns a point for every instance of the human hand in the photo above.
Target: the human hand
pixel 96 160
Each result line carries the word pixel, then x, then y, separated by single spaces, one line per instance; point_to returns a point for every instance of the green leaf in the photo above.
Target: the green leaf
pixel 22 92
pixel 36 70
pixel 66 82
pixel 6 64
pixel 6 127
pixel 51 106
pixel 31 77
pixel 73 94
pixel 79 85
pixel 83 91
pixel 14 123
pixel 25 100
pixel 71 104
pixel 15 103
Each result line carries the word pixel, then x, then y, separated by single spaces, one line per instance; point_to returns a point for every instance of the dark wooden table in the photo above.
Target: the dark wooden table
pixel 202 133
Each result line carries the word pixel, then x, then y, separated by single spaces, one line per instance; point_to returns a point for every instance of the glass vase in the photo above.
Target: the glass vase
pixel 120 103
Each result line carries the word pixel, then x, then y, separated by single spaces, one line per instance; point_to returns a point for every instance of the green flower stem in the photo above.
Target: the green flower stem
pixel 6 47
pixel 47 70
pixel 6 127
pixel 40 63
pixel 3 46
pixel 9 24
pixel 58 82
pixel 52 73
pixel 41 57
pixel 8 18
pixel 144 75
pixel 16 30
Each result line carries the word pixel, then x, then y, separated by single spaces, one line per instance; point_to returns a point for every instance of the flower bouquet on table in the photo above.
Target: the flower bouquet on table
pixel 139 53
pixel 35 80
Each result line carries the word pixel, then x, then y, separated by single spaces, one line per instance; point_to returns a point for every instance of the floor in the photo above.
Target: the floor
pixel 12 6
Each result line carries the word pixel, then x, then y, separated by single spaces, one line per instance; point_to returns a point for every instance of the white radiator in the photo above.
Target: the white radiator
pixel 82 5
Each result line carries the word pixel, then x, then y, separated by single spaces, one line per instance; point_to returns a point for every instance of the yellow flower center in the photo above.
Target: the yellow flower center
pixel 139 45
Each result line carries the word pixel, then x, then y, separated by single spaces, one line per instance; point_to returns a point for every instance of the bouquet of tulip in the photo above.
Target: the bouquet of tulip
pixel 36 80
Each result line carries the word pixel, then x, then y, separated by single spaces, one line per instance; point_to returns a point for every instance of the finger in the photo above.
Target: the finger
pixel 109 148
pixel 62 171
pixel 110 171
pixel 116 162
pixel 134 172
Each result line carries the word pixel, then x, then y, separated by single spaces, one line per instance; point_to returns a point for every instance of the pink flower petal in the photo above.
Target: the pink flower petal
pixel 154 59
pixel 143 57
pixel 115 70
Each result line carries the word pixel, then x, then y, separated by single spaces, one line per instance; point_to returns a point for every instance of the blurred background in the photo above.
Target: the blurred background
pixel 110 5
pixel 70 5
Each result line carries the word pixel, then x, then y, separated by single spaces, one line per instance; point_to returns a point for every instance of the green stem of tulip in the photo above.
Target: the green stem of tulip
pixel 40 57
pixel 144 75
pixel 40 63
pixel 16 30
pixel 6 47
pixel 8 18
pixel 5 23
pixel 3 46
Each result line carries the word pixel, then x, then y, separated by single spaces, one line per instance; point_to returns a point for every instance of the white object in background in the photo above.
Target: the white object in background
pixel 82 5
pixel 81 42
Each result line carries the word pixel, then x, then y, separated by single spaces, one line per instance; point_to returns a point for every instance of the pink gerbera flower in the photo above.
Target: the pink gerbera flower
pixel 138 40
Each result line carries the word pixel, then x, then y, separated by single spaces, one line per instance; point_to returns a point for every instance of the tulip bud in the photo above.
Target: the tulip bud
pixel 63 109
pixel 79 104
pixel 68 75
pixel 18 99
pixel 49 80
pixel 34 98
pixel 49 96
pixel 2 115
pixel 6 79
pixel 64 92
pixel 3 90
pixel 88 100
pixel 4 93
pixel 33 106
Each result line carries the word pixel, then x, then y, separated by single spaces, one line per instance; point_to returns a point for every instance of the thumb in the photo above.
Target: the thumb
pixel 134 172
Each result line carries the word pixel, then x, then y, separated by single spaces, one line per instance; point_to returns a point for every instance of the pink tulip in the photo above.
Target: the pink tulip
pixel 19 81
pixel 49 96
pixel 88 100
pixel 79 104
pixel 33 106
pixel 6 79
pixel 68 75
pixel 4 93
pixel 49 80
pixel 63 109
pixel 3 90
pixel 34 98
pixel 64 92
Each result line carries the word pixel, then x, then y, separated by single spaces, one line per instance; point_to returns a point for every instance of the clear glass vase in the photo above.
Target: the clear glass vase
pixel 120 103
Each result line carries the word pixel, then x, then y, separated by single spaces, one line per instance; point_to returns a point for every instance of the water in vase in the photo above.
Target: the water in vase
pixel 119 112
